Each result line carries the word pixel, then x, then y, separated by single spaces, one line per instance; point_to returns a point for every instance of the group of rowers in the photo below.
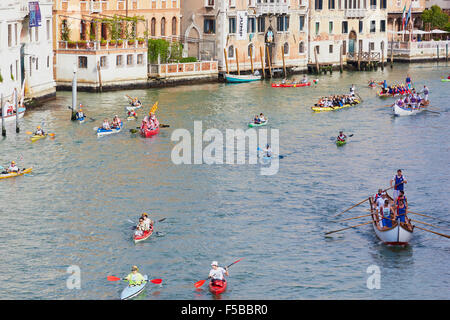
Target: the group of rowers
pixel 395 89
pixel 413 100
pixel 116 123
pixel 150 122
pixel 336 101
pixel 396 211
pixel 304 80
pixel 259 119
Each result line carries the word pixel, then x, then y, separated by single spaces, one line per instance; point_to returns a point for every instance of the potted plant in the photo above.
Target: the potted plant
pixel 1 78
pixel 112 42
pixel 82 44
pixel 71 44
pixel 103 43
pixel 140 40
pixel 131 41
pixel 119 43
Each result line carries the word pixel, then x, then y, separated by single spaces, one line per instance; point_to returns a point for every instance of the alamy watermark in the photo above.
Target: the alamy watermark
pixel 374 280
pixel 74 280
pixel 190 150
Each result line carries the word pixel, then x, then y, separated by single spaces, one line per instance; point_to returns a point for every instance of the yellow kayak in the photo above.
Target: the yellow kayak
pixel 38 137
pixel 320 109
pixel 14 174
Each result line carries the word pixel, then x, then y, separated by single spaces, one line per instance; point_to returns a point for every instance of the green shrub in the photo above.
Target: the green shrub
pixel 158 47
pixel 188 59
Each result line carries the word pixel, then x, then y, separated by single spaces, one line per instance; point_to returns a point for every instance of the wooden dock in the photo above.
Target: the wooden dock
pixel 366 61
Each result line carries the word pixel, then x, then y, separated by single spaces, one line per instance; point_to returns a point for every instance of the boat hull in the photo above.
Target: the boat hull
pixel 149 133
pixel 218 289
pixel 12 175
pixel 239 79
pixel 12 117
pixel 132 291
pixel 252 124
pixel 287 85
pixel 399 112
pixel 102 132
pixel 145 236
pixel 321 109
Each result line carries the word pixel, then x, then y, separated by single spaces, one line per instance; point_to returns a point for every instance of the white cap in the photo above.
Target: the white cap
pixel 214 263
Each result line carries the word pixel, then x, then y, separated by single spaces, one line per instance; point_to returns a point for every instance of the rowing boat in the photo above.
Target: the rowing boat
pixel 14 174
pixel 252 124
pixel 145 236
pixel 399 234
pixel 406 111
pixel 38 137
pixel 132 291
pixel 102 132
pixel 147 133
pixel 218 287
pixel 12 117
pixel 320 109
pixel 290 85
pixel 233 78
pixel 389 95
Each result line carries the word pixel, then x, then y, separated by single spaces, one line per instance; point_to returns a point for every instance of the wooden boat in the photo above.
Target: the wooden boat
pixel 234 78
pixel 407 111
pixel 320 109
pixel 388 95
pixel 12 117
pixel 290 85
pixel 399 234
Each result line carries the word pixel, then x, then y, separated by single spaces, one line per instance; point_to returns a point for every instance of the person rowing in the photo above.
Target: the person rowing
pixel 134 278
pixel 398 180
pixel 39 131
pixel 80 113
pixel 12 168
pixel 305 79
pixel 217 274
pixel 105 125
pixel 408 82
pixel 268 151
pixel 352 90
pixel 140 228
pixel 341 137
pixel 402 208
pixel 148 223
pixel 116 122
pixel 262 119
pixel 256 120
pixel 387 213
pixel 132 113
pixel 425 93
pixel 154 123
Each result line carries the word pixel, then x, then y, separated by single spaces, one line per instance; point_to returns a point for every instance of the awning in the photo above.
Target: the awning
pixel 438 31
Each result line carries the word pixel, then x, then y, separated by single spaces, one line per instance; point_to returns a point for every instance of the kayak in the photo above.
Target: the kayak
pixel 252 124
pixel 131 108
pixel 102 132
pixel 38 137
pixel 132 291
pixel 146 133
pixel 145 236
pixel 445 80
pixel 340 143
pixel 320 109
pixel 14 174
pixel 219 286
pixel 290 85
pixel 12 117
pixel 131 118
pixel 81 120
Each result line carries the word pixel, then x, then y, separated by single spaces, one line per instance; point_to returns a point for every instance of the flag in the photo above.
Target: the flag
pixel 404 17
pixel 408 17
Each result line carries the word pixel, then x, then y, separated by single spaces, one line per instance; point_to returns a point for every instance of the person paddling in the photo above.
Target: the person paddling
pixel 116 122
pixel 268 151
pixel 398 182
pixel 105 125
pixel 305 79
pixel 341 137
pixel 13 168
pixel 140 228
pixel 134 278
pixel 217 274
pixel 80 113
pixel 387 214
pixel 39 131
pixel 262 118
pixel 352 90
pixel 148 223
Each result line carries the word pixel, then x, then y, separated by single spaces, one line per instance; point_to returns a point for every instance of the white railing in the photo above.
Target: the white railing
pixel 355 13
pixel 97 6
pixel 98 45
pixel 413 45
pixel 172 70
pixel 272 8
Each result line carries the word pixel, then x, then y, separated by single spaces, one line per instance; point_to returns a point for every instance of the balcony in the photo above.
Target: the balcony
pixel 281 7
pixel 355 13
pixel 93 6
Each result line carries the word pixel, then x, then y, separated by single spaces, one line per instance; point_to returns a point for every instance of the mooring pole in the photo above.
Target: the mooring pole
pixel 3 117
pixel 74 93
pixel 17 110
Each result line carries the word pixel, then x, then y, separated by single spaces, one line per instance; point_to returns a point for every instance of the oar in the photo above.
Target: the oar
pixel 198 284
pixel 366 215
pixel 161 220
pixel 114 278
pixel 428 224
pixel 431 111
pixel 50 134
pixel 424 215
pixel 348 227
pixel 440 234
pixel 352 207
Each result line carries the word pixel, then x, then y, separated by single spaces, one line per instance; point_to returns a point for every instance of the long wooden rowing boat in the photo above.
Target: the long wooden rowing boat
pixel 399 234
pixel 320 109
pixel 233 78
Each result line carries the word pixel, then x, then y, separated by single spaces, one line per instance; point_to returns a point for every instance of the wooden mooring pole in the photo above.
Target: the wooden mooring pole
pixel 284 65
pixel 226 59
pixel 3 116
pixel 341 68
pixel 317 60
pixel 263 70
pixel 16 106
pixel 392 53
pixel 268 60
pixel 237 61
pixel 251 57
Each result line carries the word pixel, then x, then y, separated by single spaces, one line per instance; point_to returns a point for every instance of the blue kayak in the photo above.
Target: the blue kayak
pixel 103 132
pixel 132 291
pixel 81 120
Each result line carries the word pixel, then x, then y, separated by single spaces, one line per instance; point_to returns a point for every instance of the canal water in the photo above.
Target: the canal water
pixel 77 206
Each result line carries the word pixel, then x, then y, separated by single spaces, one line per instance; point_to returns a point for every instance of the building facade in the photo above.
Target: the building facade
pixel 395 18
pixel 355 25
pixel 247 32
pixel 26 52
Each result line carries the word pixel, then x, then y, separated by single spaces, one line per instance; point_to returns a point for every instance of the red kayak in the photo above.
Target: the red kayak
pixel 288 85
pixel 145 236
pixel 146 133
pixel 218 287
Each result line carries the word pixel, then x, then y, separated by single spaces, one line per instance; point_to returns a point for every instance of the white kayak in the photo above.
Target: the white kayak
pixel 132 291
pixel 102 132
pixel 406 111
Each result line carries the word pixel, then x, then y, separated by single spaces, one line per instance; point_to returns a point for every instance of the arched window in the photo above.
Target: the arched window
pixel 163 26
pixel 231 52
pixel 174 26
pixel 153 27
pixel 301 47
pixel 251 50
pixel 286 48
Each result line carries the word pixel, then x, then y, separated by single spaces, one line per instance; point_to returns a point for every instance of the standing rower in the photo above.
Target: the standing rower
pixel 425 92
pixel 399 180
pixel 408 81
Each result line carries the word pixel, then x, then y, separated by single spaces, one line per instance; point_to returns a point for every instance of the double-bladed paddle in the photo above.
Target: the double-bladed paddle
pixel 114 278
pixel 49 134
pixel 198 284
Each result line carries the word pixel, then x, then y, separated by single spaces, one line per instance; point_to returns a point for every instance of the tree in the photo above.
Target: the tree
pixel 436 17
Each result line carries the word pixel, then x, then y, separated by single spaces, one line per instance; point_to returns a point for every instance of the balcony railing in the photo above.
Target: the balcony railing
pixel 98 45
pixel 272 8
pixel 355 13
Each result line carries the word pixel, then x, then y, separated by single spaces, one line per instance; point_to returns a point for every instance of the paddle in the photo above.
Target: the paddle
pixel 431 111
pixel 428 224
pixel 366 215
pixel 348 228
pixel 424 215
pixel 114 278
pixel 439 234
pixel 352 207
pixel 198 284
pixel 50 134
pixel 134 227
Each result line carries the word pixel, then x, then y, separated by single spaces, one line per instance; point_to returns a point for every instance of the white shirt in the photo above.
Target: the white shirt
pixel 380 202
pixel 13 168
pixel 147 224
pixel 218 274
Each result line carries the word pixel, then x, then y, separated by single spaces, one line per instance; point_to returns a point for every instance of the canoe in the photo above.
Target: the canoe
pixel 132 291
pixel 149 133
pixel 12 175
pixel 145 236
pixel 340 143
pixel 102 132
pixel 12 117
pixel 320 109
pixel 399 234
pixel 234 78
pixel 252 124
pixel 445 80
pixel 38 137
pixel 405 111
pixel 290 85
pixel 219 287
